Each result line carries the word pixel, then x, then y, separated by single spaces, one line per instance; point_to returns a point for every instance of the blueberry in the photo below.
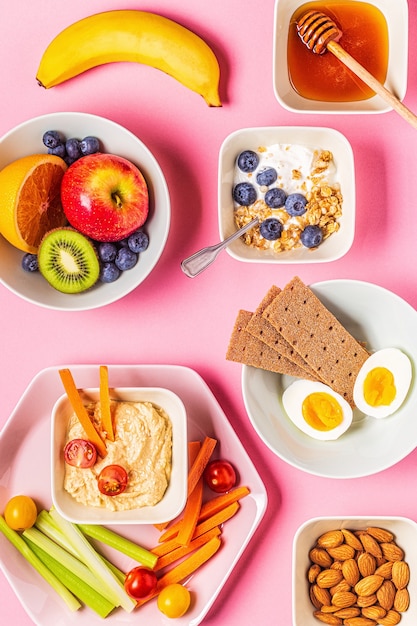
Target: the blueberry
pixel 59 150
pixel 138 241
pixel 296 204
pixel 30 262
pixel 125 259
pixel 244 194
pixel 89 145
pixel 52 138
pixel 109 273
pixel 73 148
pixel 312 236
pixel 247 161
pixel 267 176
pixel 275 197
pixel 107 251
pixel 271 228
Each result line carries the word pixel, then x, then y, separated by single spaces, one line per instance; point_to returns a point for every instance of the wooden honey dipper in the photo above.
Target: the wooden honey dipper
pixel 320 33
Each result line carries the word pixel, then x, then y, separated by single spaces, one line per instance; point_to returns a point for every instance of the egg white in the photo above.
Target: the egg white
pixel 293 398
pixel 399 365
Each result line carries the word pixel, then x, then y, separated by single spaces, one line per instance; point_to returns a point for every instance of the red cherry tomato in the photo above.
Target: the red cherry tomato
pixel 80 453
pixel 112 480
pixel 220 476
pixel 140 582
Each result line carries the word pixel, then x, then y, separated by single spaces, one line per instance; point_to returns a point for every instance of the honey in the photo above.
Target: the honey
pixel 323 77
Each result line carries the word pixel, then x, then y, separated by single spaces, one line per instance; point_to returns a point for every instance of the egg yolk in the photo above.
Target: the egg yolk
pixel 322 411
pixel 379 387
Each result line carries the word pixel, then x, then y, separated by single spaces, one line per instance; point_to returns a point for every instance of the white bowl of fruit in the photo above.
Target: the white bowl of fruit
pixel 85 211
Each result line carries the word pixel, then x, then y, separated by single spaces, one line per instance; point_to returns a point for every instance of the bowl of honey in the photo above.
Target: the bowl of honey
pixel 374 32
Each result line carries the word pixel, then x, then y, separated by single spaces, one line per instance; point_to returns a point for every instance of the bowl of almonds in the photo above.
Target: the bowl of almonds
pixel 355 571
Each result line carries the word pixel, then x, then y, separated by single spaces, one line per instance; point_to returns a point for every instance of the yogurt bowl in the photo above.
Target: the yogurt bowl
pixel 136 448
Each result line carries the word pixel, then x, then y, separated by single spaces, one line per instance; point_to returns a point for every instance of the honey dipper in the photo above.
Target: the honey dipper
pixel 320 33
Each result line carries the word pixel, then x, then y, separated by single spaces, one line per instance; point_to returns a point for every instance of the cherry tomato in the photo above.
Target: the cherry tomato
pixel 174 600
pixel 220 476
pixel 80 453
pixel 112 480
pixel 20 512
pixel 140 582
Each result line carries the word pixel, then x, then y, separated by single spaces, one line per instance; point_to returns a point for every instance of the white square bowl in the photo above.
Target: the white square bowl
pixel 405 535
pixel 334 246
pixel 396 15
pixel 175 496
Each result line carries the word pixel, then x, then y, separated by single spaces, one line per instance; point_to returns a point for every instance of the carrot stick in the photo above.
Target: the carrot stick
pixel 181 551
pixel 192 510
pixel 215 520
pixel 200 463
pixel 193 450
pixel 81 412
pixel 185 568
pixel 105 402
pixel 211 507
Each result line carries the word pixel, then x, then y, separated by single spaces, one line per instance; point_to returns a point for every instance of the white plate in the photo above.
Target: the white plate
pixel 382 319
pixel 396 14
pixel 333 247
pixel 27 139
pixel 24 468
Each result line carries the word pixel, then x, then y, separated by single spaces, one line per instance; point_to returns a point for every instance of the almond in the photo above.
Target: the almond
pixel 322 595
pixel 380 534
pixel 386 594
pixel 344 599
pixel 331 539
pixel 351 539
pixel 320 557
pixel 328 618
pixel 392 552
pixel 366 564
pixel 400 574
pixel 374 612
pixel 313 571
pixel 370 545
pixel 368 585
pixel 385 570
pixel 359 621
pixel 342 586
pixel 314 600
pixel 341 553
pixel 351 571
pixel 402 600
pixel 350 611
pixel 391 619
pixel 364 601
pixel 328 578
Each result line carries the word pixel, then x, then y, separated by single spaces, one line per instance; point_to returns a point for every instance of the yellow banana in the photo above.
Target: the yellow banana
pixel 129 35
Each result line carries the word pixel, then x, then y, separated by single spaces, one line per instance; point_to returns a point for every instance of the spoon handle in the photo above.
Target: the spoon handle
pixel 197 262
pixel 372 82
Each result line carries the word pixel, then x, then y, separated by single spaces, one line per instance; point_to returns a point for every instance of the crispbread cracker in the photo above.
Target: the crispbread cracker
pixel 247 349
pixel 318 336
pixel 259 327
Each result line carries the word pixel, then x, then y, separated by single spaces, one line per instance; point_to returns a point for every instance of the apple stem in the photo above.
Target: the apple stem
pixel 117 200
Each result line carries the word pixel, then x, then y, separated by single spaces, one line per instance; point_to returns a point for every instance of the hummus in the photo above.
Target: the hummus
pixel 143 446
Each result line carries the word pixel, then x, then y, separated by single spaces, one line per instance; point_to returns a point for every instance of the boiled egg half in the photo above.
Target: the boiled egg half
pixel 383 383
pixel 317 410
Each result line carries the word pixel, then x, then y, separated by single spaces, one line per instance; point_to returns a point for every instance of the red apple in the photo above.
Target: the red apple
pixel 105 196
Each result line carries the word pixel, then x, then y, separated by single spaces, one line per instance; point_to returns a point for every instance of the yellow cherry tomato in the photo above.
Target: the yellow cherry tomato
pixel 20 512
pixel 174 600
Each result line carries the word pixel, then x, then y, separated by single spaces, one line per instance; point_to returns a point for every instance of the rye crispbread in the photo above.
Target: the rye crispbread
pixel 315 333
pixel 260 327
pixel 247 349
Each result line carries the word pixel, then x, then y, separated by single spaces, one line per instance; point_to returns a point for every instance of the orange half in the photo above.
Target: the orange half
pixel 30 199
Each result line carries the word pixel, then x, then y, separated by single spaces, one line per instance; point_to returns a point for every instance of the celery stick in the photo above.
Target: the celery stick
pixel 80 588
pixel 38 565
pixel 37 538
pixel 112 539
pixel 92 559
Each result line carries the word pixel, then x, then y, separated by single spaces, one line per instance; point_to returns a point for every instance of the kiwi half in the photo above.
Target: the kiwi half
pixel 68 260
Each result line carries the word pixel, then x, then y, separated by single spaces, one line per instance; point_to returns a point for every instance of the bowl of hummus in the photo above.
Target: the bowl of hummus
pixel 141 478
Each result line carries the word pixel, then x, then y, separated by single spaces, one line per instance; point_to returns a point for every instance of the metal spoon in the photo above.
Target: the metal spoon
pixel 320 33
pixel 197 262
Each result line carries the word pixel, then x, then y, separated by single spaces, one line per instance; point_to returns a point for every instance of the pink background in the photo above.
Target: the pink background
pixel 176 320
